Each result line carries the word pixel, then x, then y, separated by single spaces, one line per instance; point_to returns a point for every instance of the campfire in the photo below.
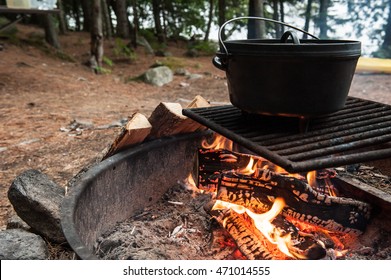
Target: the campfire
pixel 273 214
pixel 237 203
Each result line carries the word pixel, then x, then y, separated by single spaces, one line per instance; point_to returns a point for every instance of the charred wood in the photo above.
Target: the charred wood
pixel 258 191
pixel 255 246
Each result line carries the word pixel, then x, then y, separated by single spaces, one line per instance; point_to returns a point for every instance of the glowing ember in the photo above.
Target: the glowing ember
pixel 299 243
pixel 263 223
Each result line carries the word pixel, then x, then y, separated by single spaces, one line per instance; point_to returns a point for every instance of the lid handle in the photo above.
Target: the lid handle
pixel 289 33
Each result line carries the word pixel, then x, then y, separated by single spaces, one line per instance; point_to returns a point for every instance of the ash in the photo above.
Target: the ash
pixel 178 228
pixel 175 228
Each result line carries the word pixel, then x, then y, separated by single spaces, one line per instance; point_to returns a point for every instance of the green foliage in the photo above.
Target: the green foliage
pixel 171 62
pixel 102 70
pixel 123 50
pixel 204 47
pixel 107 61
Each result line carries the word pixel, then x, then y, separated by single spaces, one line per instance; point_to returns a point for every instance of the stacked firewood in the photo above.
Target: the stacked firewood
pixel 166 120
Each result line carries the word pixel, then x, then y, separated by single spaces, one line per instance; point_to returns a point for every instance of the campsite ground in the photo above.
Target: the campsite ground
pixel 43 98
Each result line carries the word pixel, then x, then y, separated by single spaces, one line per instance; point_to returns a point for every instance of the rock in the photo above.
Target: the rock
pixel 16 222
pixel 18 244
pixel 181 72
pixel 195 76
pixel 36 199
pixel 158 76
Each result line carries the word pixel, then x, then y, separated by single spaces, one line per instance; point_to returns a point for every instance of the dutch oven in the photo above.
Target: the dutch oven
pixel 291 77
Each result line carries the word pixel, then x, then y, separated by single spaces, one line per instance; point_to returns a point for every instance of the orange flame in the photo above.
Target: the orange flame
pixel 219 142
pixel 311 179
pixel 263 223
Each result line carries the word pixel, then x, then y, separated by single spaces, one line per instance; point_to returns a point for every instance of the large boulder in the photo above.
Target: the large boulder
pixel 158 76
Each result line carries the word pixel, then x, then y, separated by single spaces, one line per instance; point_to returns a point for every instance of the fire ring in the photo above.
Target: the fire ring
pixel 115 188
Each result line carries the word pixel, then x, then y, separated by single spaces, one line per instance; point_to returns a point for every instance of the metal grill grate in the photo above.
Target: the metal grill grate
pixel 360 132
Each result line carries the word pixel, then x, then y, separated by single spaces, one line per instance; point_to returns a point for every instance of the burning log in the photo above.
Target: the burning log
pixel 259 190
pixel 248 244
pixel 256 246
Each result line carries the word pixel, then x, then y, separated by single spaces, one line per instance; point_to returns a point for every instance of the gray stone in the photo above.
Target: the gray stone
pixel 37 200
pixel 181 72
pixel 195 76
pixel 18 244
pixel 16 222
pixel 158 76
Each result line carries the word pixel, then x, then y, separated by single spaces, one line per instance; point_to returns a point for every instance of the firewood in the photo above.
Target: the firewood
pixel 198 102
pixel 167 119
pixel 246 240
pixel 134 132
pixel 257 192
pixel 255 246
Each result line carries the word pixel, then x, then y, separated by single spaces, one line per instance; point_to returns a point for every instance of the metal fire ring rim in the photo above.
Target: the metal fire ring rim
pixel 81 184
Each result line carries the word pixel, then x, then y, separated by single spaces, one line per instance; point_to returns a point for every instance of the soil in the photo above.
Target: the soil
pixel 57 116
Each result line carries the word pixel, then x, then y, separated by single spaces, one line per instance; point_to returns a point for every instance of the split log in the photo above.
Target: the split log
pixel 167 119
pixel 134 132
pixel 255 246
pixel 198 102
pixel 257 192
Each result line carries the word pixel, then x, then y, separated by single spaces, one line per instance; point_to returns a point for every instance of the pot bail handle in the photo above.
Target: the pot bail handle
pixel 292 34
pixel 258 18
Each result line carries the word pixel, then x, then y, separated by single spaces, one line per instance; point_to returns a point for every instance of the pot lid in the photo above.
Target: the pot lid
pixel 323 48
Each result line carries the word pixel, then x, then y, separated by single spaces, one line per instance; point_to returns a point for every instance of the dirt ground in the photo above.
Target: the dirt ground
pixel 42 95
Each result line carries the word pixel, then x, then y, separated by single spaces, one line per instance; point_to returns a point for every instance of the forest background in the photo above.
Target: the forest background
pixel 155 22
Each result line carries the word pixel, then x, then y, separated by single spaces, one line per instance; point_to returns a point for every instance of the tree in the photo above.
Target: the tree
pixel 308 14
pixel 50 30
pixel 322 19
pixel 96 55
pixel 221 16
pixel 121 11
pixel 136 24
pixel 157 14
pixel 108 28
pixel 210 20
pixel 386 45
pixel 256 28
pixel 87 15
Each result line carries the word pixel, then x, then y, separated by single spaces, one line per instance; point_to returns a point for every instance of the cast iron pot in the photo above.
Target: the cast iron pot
pixel 289 76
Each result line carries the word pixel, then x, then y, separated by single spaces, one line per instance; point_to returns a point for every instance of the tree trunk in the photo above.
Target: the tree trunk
pixel 387 37
pixel 322 23
pixel 134 31
pixel 50 31
pixel 63 27
pixel 85 5
pixel 96 37
pixel 282 15
pixel 106 19
pixel 157 18
pixel 76 13
pixel 307 17
pixel 221 19
pixel 210 19
pixel 121 8
pixel 277 27
pixel 256 28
